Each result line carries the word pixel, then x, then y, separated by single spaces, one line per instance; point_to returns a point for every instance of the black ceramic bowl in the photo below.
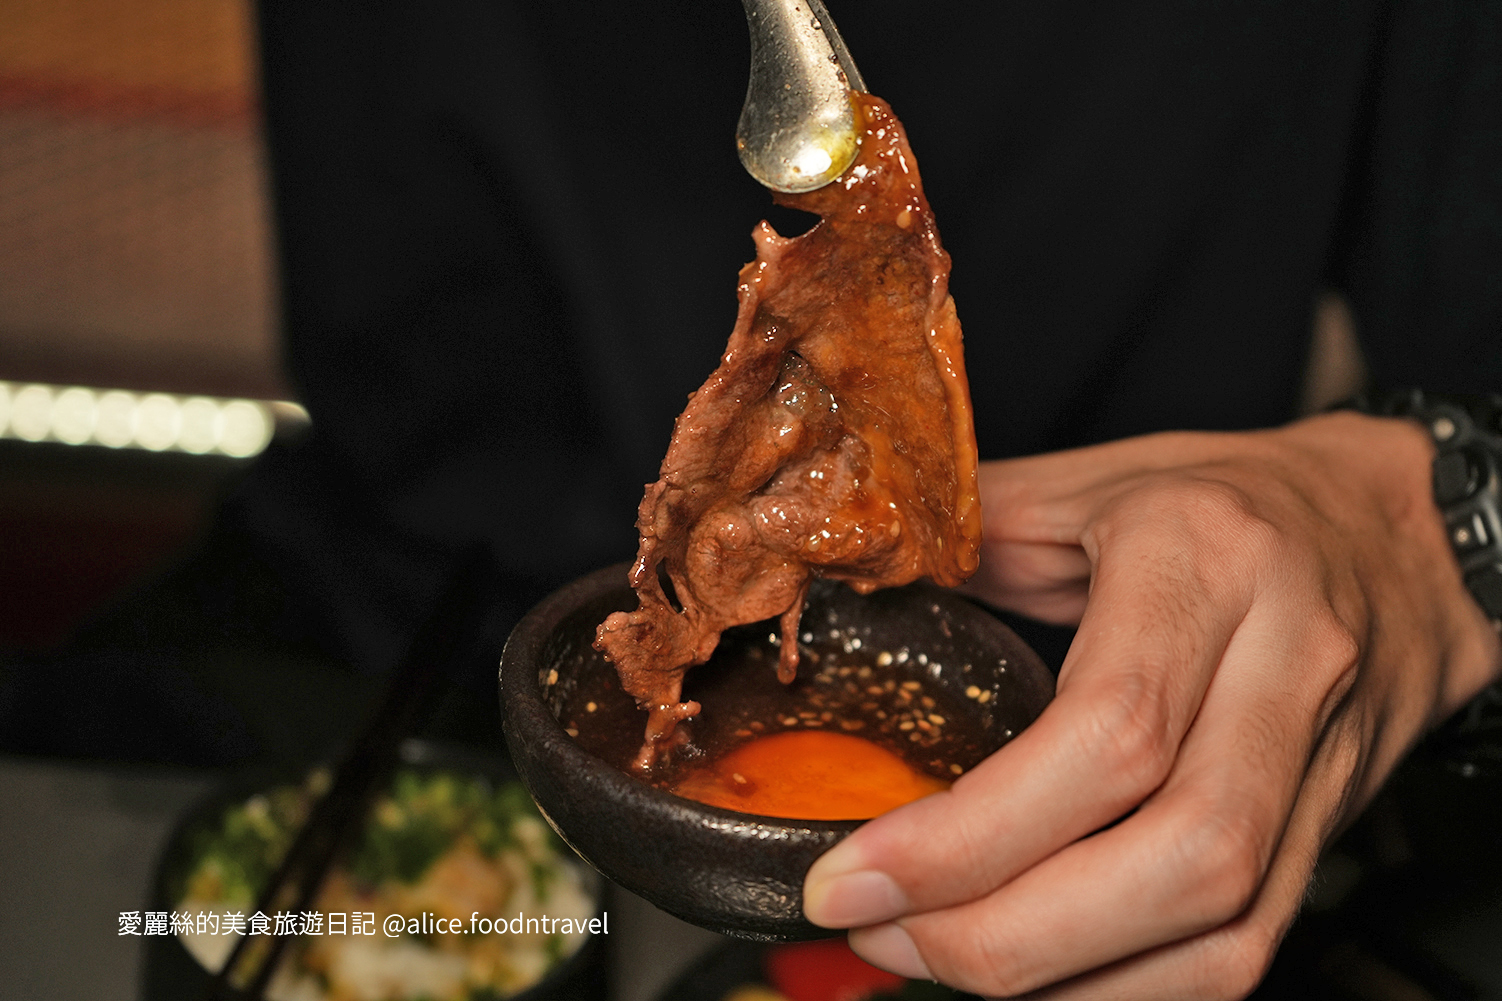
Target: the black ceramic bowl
pixel 735 873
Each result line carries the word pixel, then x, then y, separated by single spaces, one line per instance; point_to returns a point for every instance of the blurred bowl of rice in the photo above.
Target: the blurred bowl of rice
pixel 454 889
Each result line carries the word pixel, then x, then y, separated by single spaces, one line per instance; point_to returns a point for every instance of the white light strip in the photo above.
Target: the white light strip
pixel 158 422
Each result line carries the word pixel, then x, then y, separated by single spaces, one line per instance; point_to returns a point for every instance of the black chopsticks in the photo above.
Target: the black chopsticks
pixel 447 636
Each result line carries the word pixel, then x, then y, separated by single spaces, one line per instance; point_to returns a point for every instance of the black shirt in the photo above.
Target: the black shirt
pixel 510 233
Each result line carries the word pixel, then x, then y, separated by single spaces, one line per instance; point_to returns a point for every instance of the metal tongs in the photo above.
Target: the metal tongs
pixel 798 129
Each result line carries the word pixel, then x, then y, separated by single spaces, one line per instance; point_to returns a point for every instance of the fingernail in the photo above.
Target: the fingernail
pixel 852 899
pixel 892 949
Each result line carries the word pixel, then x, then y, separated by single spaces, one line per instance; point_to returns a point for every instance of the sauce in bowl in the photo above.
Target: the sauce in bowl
pixel 808 775
pixel 862 729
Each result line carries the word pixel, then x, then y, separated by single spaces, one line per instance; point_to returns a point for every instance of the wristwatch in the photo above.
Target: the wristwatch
pixel 1467 434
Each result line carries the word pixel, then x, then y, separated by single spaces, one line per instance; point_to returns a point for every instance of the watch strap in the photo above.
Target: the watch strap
pixel 1467 436
pixel 1467 473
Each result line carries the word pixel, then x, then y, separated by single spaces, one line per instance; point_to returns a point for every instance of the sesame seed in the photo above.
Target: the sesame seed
pixel 936 719
pixel 957 769
pixel 852 724
pixel 590 707
pixel 983 697
pixel 906 724
pixel 572 732
pixel 912 686
pixel 972 692
pixel 553 676
pixel 738 777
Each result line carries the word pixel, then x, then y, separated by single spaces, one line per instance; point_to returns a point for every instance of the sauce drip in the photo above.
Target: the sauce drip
pixel 808 775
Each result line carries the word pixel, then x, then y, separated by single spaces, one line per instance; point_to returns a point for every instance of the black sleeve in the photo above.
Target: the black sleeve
pixel 1421 256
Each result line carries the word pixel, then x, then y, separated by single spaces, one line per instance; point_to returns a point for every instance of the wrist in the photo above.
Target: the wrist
pixel 1466 434
pixel 1467 482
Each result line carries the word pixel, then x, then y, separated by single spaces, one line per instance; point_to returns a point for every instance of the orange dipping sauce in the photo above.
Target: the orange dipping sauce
pixel 808 775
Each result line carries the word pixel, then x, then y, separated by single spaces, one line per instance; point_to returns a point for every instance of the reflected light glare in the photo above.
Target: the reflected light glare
pixel 31 412
pixel 73 415
pixel 201 425
pixel 158 421
pixel 813 161
pixel 115 419
pixel 246 430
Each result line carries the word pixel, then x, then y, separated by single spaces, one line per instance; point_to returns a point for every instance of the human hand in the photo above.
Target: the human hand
pixel 1267 622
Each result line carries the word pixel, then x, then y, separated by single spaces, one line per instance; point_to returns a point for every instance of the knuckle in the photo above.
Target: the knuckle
pixel 1337 649
pixel 1259 543
pixel 1215 500
pixel 1005 979
pixel 1211 516
pixel 971 847
pixel 992 963
pixel 1230 516
pixel 1228 851
pixel 1205 500
pixel 1129 732
pixel 1244 962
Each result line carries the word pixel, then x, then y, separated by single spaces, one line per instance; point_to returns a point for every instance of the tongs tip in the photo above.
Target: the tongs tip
pixel 799 129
